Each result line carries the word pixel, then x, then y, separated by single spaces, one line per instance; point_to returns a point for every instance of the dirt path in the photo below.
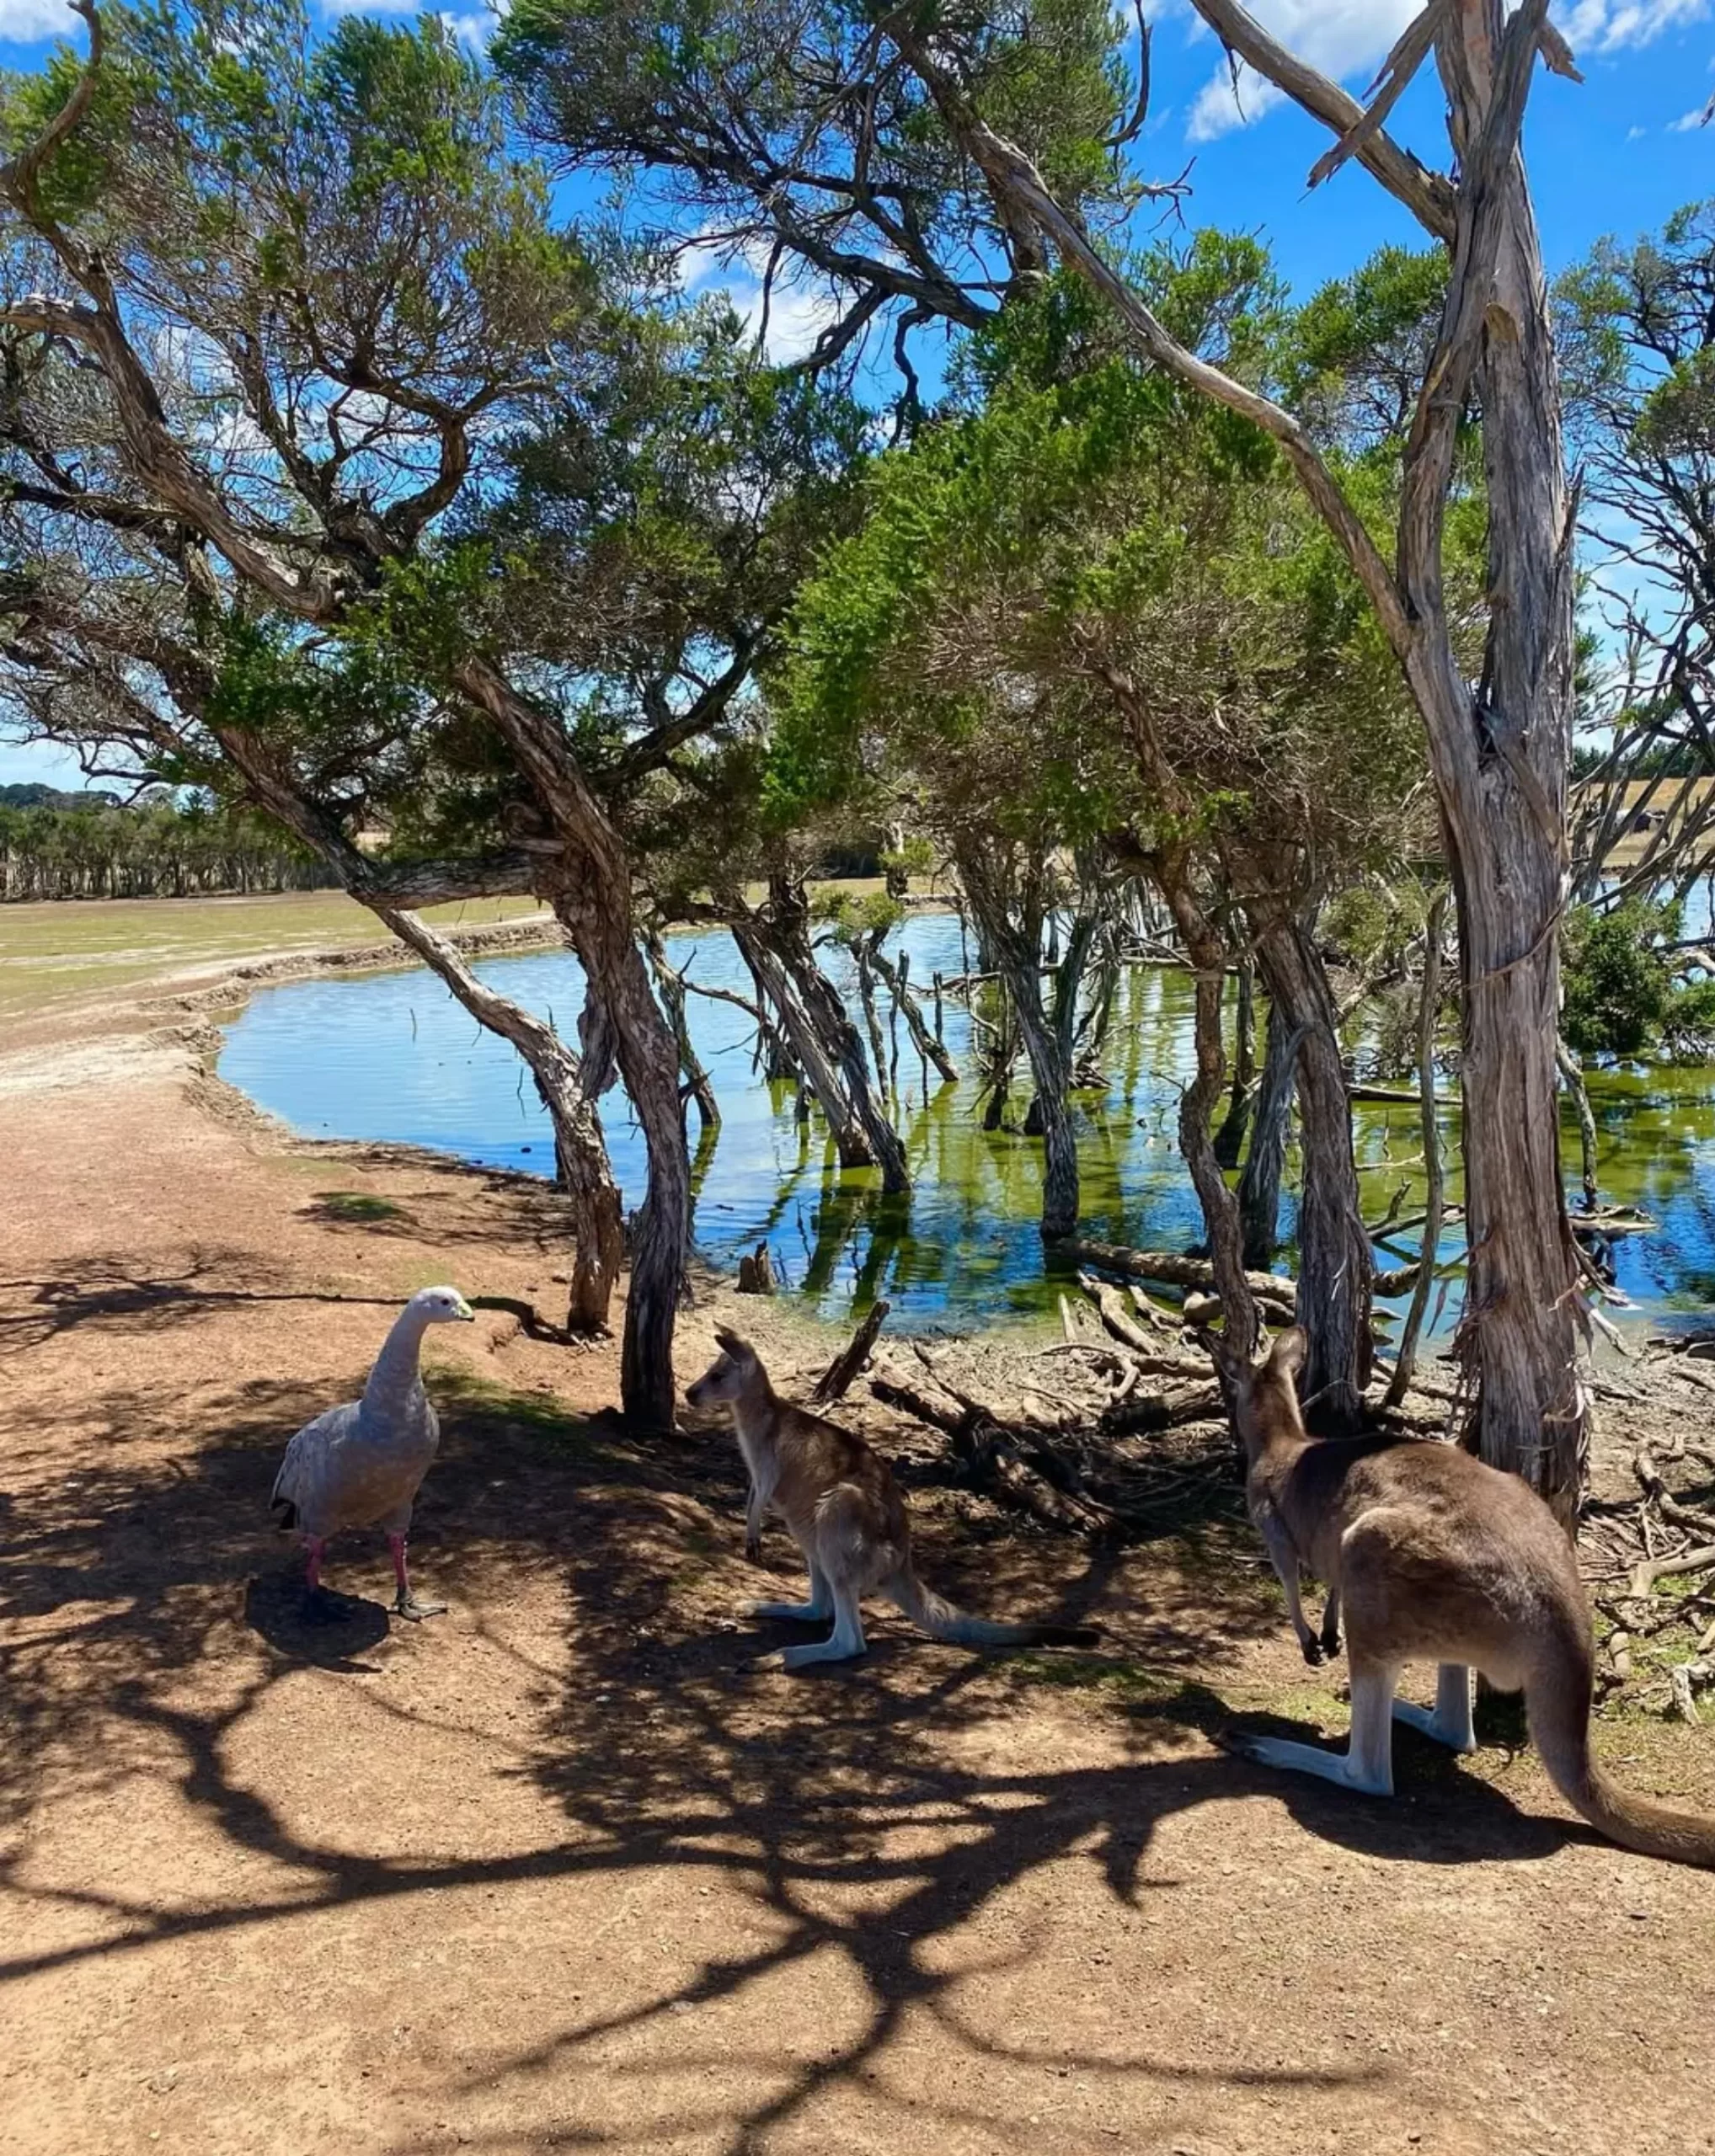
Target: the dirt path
pixel 567 1869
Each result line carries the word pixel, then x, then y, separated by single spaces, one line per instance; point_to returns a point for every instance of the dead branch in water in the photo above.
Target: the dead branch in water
pixel 836 1380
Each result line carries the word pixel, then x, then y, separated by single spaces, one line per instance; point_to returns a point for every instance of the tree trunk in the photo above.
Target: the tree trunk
pixel 1572 1076
pixel 1230 1139
pixel 1239 1324
pixel 1016 952
pixel 927 1044
pixel 1259 1185
pixel 596 916
pixel 815 1058
pixel 670 987
pixel 862 958
pixel 1334 1263
pixel 782 928
pixel 1428 1007
pixel 579 1149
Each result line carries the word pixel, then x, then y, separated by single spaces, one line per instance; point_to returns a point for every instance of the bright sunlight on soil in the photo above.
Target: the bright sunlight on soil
pixel 573 1866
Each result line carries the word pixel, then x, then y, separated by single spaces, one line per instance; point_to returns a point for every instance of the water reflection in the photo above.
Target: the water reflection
pixel 394 1057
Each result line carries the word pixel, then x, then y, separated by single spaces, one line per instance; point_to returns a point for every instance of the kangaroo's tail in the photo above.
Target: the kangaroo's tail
pixel 941 1620
pixel 1557 1695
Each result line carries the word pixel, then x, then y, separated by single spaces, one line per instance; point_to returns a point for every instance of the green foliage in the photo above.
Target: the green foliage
pixel 732 95
pixel 855 919
pixel 1353 358
pixel 1077 522
pixel 1618 994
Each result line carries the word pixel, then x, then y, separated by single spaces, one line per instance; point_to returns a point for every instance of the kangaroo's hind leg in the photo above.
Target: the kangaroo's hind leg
pixel 844 1643
pixel 820 1602
pixel 1450 1723
pixel 1366 1765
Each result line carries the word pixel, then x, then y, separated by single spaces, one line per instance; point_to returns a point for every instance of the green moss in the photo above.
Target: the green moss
pixel 357 1205
pixel 1083 1672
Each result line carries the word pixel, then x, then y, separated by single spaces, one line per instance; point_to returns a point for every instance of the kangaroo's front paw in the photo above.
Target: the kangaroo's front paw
pixel 1331 1638
pixel 753 1548
pixel 1311 1647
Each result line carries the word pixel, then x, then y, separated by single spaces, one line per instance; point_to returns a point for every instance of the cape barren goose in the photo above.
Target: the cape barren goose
pixel 361 1465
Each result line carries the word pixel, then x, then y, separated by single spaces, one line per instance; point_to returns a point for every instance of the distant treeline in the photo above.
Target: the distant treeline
pixel 1668 760
pixel 93 846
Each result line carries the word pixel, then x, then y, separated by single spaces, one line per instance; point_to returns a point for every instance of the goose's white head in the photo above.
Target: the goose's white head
pixel 442 1306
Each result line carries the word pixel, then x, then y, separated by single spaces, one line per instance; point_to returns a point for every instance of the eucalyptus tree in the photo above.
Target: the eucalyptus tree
pixel 308 305
pixel 1499 739
pixel 1090 610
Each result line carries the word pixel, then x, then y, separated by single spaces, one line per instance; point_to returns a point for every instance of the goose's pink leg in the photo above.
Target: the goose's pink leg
pixel 404 1601
pixel 317 1549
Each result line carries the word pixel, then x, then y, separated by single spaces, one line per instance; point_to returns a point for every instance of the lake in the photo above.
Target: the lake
pixel 394 1057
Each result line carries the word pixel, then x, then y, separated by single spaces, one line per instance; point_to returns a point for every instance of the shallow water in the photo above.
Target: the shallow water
pixel 393 1056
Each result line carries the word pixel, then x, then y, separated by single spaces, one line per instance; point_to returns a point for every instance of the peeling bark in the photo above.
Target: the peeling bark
pixel 1334 1263
pixel 1259 1184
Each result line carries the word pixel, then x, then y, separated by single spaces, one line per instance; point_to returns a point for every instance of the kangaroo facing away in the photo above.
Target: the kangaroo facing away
pixel 1430 1556
pixel 846 1513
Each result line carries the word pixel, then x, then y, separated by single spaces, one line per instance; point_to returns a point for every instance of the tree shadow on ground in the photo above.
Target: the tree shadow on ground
pixel 870 1814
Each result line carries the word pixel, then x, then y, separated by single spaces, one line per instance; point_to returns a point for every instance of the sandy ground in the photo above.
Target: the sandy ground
pixel 572 1867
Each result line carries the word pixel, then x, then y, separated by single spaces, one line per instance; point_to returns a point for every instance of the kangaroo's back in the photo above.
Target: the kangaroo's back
pixel 816 1458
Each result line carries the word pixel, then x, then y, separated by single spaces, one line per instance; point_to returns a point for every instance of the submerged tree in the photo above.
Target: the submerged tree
pixel 311 307
pixel 1091 610
pixel 1046 165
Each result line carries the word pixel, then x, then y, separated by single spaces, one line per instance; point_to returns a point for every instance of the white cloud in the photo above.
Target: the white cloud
pixel 28 22
pixel 1594 26
pixel 1348 38
pixel 1340 37
pixel 1636 134
pixel 798 311
pixel 474 30
pixel 1687 120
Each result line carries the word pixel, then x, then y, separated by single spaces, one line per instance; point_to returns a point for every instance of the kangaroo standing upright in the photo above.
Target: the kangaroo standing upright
pixel 846 1513
pixel 1430 1556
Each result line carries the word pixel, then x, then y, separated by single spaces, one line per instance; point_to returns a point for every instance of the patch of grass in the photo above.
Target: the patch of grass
pixel 357 1205
pixel 57 951
pixel 1087 1672
pixel 481 1413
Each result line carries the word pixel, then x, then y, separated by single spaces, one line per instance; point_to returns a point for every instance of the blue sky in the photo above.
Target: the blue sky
pixel 1613 155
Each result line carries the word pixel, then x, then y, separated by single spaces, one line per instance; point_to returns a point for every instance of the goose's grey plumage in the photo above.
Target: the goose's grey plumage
pixel 361 1464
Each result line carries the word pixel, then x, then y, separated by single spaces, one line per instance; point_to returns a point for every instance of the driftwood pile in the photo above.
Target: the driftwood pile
pixel 1653 1557
pixel 1056 1432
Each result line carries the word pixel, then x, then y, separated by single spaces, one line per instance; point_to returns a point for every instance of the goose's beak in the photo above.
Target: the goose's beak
pixel 466 1312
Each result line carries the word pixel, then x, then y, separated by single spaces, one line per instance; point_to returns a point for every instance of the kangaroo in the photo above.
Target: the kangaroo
pixel 846 1513
pixel 1431 1556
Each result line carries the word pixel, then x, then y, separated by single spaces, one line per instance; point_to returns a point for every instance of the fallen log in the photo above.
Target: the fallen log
pixel 989 1455
pixel 1158 1410
pixel 1645 1575
pixel 836 1380
pixel 1612 1220
pixel 1148 1357
pixel 1177 1269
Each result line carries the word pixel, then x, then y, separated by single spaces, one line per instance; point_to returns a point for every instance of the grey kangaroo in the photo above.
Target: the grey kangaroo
pixel 1431 1556
pixel 845 1510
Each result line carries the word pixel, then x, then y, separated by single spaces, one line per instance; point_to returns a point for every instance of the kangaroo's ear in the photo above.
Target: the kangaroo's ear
pixel 734 1344
pixel 1286 1356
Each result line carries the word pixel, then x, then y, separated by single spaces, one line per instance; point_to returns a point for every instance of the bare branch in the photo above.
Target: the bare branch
pixel 1428 195
pixel 1411 49
pixel 19 174
pixel 1013 177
